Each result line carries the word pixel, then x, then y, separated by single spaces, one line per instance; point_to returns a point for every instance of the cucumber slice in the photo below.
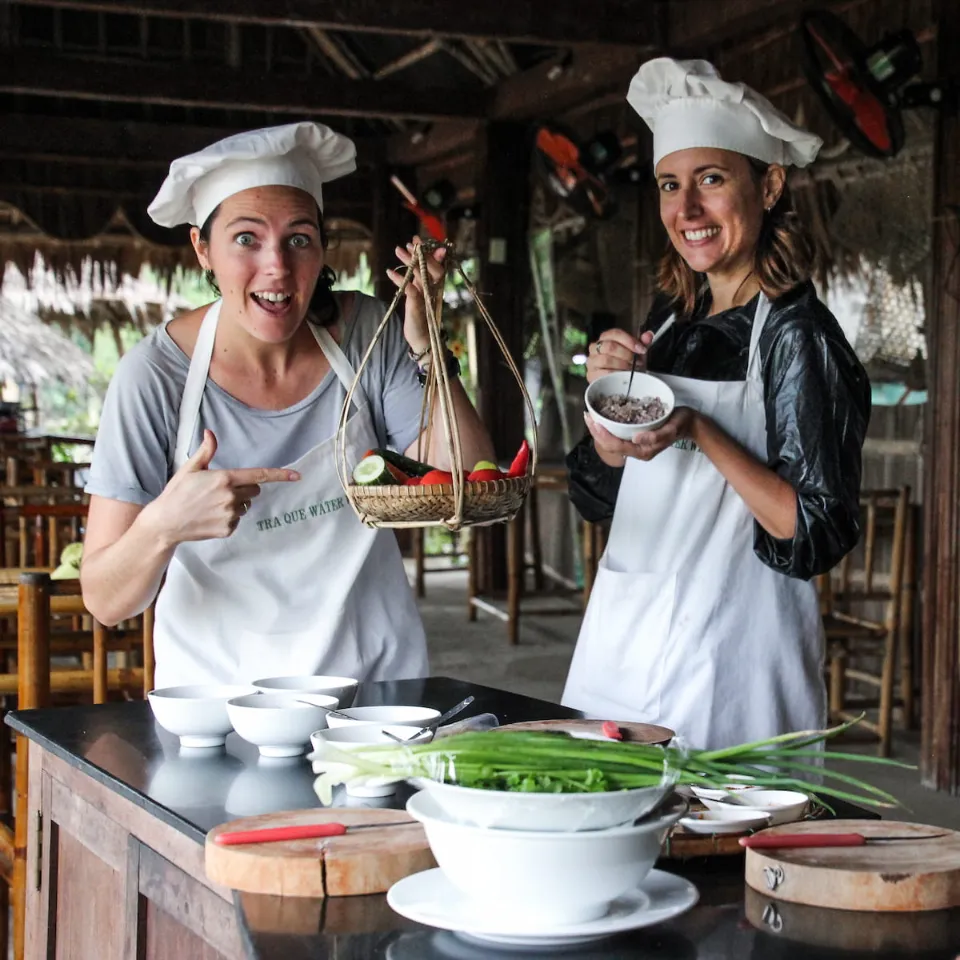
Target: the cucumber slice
pixel 372 471
pixel 412 468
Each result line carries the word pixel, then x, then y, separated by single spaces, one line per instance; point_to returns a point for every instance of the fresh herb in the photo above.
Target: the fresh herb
pixel 542 762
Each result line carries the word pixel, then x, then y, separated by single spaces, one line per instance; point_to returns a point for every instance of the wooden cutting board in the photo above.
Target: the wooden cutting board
pixel 632 732
pixel 900 876
pixel 367 861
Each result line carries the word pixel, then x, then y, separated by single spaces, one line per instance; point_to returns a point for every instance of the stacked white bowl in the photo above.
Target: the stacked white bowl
pixel 549 860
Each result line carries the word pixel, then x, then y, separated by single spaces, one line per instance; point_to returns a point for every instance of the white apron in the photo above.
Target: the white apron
pixel 301 586
pixel 686 627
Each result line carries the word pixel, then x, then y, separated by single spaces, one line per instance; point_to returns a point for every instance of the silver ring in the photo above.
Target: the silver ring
pixel 246 506
pixel 599 345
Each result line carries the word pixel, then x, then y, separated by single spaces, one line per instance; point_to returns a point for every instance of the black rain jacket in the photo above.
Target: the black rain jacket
pixel 817 398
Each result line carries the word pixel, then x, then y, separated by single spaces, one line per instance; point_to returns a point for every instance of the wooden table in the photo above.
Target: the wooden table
pixel 115 861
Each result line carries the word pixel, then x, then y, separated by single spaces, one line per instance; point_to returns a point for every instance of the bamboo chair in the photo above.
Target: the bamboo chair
pixel 38 684
pixel 867 612
pixel 37 522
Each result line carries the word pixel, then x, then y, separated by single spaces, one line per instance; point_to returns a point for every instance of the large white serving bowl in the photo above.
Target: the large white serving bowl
pixel 644 385
pixel 385 716
pixel 783 806
pixel 328 743
pixel 543 878
pixel 543 812
pixel 343 688
pixel 279 724
pixel 196 714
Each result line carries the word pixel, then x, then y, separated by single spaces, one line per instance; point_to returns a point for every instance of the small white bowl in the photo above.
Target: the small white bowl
pixel 730 820
pixel 784 806
pixel 343 688
pixel 543 879
pixel 279 724
pixel 644 385
pixel 196 714
pixel 543 812
pixel 352 737
pixel 385 716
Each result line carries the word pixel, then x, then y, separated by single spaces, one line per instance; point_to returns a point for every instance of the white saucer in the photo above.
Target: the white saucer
pixel 431 899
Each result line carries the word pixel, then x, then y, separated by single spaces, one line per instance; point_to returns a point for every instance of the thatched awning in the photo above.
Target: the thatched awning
pixel 121 250
pixel 32 353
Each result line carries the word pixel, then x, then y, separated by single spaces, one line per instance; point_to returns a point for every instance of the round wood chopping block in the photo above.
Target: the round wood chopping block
pixel 362 862
pixel 907 934
pixel 903 875
pixel 631 732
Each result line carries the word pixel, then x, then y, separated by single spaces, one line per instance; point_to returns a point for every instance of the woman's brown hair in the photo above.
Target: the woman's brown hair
pixel 784 256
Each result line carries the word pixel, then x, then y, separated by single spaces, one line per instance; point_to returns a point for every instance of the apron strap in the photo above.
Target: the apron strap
pixel 759 321
pixel 189 413
pixel 339 363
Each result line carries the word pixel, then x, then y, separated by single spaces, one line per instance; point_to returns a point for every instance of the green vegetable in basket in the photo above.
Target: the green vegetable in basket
pixel 543 762
pixel 372 470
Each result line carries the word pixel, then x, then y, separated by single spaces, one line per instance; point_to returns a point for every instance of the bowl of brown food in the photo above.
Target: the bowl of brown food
pixel 647 406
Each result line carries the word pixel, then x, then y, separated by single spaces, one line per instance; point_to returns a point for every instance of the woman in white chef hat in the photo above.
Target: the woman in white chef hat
pixel 702 617
pixel 214 463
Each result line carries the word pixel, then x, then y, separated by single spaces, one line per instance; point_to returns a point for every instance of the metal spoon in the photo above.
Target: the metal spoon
pixel 442 719
pixel 633 366
pixel 330 713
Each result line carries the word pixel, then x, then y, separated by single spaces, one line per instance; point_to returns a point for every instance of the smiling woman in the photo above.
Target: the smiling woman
pixel 214 467
pixel 702 618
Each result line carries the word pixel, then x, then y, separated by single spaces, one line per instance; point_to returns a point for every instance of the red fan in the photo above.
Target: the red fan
pixel 864 89
pixel 430 222
pixel 564 165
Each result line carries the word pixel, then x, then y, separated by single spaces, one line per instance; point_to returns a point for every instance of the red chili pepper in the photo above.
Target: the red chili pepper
pixel 520 462
pixel 611 730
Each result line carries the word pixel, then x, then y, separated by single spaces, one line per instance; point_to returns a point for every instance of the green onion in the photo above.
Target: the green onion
pixel 543 762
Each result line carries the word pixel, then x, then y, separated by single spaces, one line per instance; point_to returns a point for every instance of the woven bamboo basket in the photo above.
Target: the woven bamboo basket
pixel 462 503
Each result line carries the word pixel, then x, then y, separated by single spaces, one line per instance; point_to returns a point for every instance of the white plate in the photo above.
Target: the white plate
pixel 431 899
pixel 734 820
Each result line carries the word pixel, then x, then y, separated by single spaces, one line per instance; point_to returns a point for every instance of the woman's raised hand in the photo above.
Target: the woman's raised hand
pixel 614 351
pixel 203 504
pixel 415 314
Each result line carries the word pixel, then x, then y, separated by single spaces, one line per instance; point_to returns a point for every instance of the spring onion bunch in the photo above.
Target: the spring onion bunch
pixel 542 762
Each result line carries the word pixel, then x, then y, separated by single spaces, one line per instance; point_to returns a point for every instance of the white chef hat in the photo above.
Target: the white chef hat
pixel 686 104
pixel 304 155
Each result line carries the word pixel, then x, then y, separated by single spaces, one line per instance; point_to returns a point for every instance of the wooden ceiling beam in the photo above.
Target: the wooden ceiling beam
pixel 121 142
pixel 224 89
pixel 543 22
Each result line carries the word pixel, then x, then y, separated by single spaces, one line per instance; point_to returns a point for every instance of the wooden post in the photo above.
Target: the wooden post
pixel 393 225
pixel 33 690
pixel 940 741
pixel 504 195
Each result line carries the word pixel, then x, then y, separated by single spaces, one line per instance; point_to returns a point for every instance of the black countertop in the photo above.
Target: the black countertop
pixel 120 746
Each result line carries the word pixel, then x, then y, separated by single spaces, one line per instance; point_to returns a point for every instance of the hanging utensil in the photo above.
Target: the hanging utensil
pixel 775 841
pixel 442 719
pixel 306 831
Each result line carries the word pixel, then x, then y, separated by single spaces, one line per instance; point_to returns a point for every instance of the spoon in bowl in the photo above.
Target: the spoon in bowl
pixel 442 719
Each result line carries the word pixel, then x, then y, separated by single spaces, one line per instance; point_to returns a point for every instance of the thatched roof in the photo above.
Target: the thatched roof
pixel 31 352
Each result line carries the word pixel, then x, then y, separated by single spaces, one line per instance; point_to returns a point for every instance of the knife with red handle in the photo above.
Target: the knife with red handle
pixel 775 841
pixel 307 831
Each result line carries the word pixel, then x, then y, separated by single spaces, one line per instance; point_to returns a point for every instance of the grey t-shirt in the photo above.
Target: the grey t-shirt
pixel 133 456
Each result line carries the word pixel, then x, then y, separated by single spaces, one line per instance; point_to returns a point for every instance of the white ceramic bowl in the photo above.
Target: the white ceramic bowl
pixel 343 688
pixel 730 820
pixel 543 812
pixel 540 878
pixel 352 737
pixel 196 714
pixel 386 716
pixel 644 385
pixel 784 806
pixel 279 724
